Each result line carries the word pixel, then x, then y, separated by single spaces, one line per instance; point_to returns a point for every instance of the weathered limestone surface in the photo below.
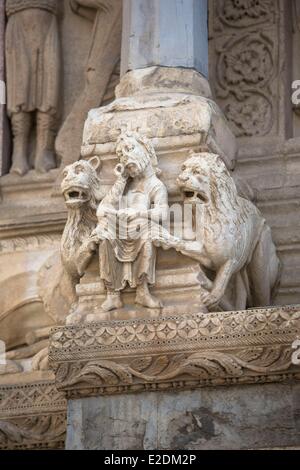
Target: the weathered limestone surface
pixel 248 417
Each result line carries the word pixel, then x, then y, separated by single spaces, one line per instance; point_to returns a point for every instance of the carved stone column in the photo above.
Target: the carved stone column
pixel 149 39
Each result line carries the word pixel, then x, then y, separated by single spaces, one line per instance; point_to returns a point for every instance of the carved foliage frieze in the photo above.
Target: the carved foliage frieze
pixel 30 243
pixel 33 432
pixel 175 352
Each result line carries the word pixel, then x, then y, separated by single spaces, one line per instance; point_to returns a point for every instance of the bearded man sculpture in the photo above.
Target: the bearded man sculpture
pixel 137 201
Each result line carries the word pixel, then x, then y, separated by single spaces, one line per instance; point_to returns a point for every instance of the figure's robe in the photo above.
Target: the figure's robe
pixel 32 56
pixel 127 253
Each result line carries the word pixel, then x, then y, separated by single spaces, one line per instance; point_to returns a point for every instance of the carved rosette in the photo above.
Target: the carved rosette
pixel 32 415
pixel 181 352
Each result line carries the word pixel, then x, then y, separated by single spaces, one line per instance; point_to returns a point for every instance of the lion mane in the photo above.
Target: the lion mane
pixel 60 274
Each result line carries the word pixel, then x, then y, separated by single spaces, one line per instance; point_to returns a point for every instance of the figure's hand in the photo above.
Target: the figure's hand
pixel 96 236
pixel 120 171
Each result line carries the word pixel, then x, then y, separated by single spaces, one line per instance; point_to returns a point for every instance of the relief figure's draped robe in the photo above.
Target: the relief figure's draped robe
pixel 32 56
pixel 130 256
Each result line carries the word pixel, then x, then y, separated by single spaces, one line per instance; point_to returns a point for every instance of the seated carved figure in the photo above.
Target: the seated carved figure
pixel 137 200
pixel 232 241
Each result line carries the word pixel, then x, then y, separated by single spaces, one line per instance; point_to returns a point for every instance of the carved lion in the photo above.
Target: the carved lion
pixel 232 240
pixel 58 278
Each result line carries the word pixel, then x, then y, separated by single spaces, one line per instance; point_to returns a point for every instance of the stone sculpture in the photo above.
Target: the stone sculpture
pixel 139 199
pixel 232 240
pixel 33 67
pixel 81 190
pixel 62 272
pixel 101 71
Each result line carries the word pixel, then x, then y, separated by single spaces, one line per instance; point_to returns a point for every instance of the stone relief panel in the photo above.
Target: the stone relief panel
pixel 245 44
pixel 81 55
pixel 226 235
pixel 33 81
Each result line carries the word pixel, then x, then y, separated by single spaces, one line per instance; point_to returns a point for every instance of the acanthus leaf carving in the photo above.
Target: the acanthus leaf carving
pixel 182 368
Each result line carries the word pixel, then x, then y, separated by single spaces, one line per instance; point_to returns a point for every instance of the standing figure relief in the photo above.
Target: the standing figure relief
pixel 33 81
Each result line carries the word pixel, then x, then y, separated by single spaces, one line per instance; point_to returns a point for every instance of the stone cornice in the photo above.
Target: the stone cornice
pixel 32 412
pixel 175 352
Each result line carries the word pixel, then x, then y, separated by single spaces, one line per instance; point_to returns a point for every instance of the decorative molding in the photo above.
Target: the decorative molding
pixel 33 432
pixel 29 243
pixel 29 398
pixel 32 414
pixel 244 13
pixel 178 352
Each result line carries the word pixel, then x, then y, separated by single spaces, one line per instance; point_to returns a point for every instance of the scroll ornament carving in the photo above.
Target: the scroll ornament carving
pixel 43 431
pixel 245 70
pixel 32 415
pixel 253 116
pixel 175 352
pixel 247 63
pixel 239 13
pixel 201 366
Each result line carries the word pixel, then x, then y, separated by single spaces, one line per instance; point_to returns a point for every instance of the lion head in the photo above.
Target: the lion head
pixel 82 193
pixel 81 185
pixel 205 180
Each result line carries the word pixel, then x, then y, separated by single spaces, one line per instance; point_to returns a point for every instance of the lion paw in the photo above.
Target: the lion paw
pixel 210 299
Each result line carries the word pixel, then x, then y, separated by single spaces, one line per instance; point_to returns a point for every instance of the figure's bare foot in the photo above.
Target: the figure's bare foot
pixel 112 302
pixel 45 161
pixel 20 165
pixel 143 297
